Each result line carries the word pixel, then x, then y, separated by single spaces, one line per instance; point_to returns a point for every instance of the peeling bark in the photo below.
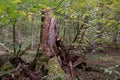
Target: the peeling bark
pixel 45 32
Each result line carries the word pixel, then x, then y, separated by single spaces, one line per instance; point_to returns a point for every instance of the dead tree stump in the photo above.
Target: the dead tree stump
pixel 52 45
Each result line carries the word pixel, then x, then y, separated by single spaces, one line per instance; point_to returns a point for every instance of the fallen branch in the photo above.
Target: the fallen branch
pixel 11 71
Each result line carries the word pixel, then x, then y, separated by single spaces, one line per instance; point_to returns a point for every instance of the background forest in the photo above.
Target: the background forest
pixel 88 27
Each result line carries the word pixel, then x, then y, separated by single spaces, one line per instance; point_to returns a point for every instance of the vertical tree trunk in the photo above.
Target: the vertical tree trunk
pixel 32 39
pixel 5 34
pixel 115 37
pixel 19 36
pixel 14 37
pixel 19 40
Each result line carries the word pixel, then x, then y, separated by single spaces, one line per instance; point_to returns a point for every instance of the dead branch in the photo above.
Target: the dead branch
pixel 11 71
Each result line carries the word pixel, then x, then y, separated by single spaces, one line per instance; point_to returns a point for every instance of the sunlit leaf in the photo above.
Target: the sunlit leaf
pixel 1 9
pixel 16 1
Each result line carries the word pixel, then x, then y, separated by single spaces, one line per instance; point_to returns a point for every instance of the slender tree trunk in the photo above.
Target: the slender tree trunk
pixel 115 37
pixel 19 41
pixel 5 34
pixel 14 38
pixel 32 39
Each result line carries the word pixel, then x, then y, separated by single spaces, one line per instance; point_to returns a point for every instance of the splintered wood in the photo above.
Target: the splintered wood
pixel 53 46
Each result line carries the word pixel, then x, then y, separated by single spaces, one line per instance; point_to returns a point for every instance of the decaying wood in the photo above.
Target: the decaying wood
pixel 53 46
pixel 45 32
pixel 11 71
pixel 52 36
pixel 66 60
pixel 18 63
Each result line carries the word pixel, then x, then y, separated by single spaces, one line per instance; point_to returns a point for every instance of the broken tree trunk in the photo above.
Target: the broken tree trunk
pixel 51 45
pixel 48 35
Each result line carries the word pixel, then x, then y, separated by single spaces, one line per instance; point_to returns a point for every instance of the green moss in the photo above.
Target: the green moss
pixel 55 71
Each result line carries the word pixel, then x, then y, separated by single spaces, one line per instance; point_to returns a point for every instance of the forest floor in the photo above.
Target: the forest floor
pixel 108 63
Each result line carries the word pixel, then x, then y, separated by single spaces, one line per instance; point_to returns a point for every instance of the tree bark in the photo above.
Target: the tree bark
pixel 47 41
pixel 14 38
pixel 45 32
pixel 5 34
